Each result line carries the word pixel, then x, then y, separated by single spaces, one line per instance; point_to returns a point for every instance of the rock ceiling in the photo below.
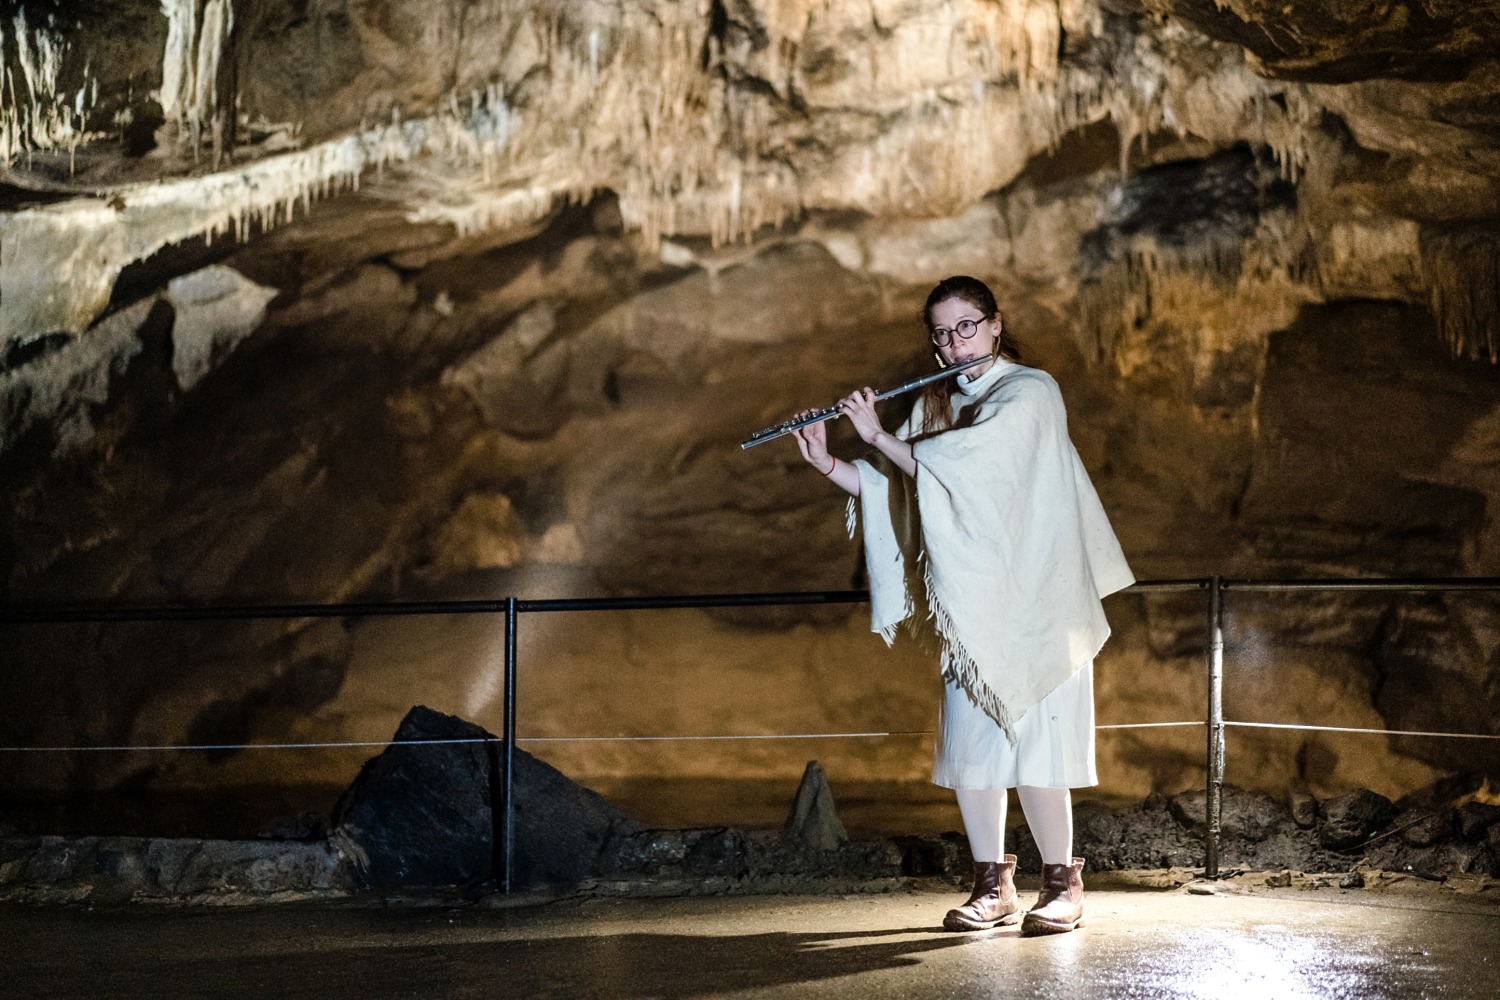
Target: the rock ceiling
pixel 130 126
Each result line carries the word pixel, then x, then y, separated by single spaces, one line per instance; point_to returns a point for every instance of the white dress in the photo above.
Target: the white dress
pixel 1054 741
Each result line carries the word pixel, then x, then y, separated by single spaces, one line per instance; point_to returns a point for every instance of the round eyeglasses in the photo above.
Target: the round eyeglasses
pixel 942 336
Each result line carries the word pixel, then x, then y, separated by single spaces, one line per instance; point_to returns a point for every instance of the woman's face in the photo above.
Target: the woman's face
pixel 949 320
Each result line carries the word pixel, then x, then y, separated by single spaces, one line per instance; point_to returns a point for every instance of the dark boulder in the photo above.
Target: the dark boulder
pixel 947 854
pixel 1351 819
pixel 716 852
pixel 1095 823
pixel 674 854
pixel 645 852
pixel 1252 816
pixel 1476 818
pixel 1432 828
pixel 419 813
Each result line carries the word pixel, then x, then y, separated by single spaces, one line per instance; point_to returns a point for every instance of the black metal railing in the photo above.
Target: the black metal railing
pixel 512 608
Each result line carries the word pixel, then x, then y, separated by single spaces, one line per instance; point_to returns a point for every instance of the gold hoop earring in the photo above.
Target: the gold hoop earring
pixel 939 359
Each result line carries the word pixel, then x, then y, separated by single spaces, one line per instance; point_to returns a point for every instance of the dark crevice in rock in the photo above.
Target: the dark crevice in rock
pixel 1185 203
pixel 1312 41
pixel 15 198
pixel 24 350
pixel 149 276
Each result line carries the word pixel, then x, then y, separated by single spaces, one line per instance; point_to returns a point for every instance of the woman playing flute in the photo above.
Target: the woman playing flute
pixel 979 519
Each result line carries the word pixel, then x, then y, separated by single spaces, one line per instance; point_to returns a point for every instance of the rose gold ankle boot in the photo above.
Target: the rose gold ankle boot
pixel 1059 906
pixel 993 901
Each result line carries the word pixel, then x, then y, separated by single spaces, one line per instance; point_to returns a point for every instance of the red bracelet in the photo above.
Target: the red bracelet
pixel 835 465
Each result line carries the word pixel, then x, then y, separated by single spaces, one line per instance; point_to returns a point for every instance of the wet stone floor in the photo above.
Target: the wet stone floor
pixel 1136 944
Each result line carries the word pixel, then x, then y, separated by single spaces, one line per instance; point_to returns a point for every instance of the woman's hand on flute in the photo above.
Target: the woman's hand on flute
pixel 813 442
pixel 859 407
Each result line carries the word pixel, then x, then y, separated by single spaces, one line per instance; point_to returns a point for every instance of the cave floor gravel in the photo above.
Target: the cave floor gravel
pixel 1396 939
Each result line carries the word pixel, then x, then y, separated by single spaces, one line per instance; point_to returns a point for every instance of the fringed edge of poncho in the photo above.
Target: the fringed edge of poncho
pixel 960 667
pixel 909 608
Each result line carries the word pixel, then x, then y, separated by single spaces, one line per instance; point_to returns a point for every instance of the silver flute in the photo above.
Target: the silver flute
pixel 832 412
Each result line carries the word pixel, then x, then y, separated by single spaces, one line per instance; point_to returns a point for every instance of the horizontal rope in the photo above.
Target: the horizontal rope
pixel 698 739
pixel 1351 729
pixel 520 739
pixel 664 739
pixel 1149 725
pixel 1414 584
pixel 412 743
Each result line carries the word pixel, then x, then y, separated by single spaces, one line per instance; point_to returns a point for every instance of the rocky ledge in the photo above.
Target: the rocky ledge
pixel 419 817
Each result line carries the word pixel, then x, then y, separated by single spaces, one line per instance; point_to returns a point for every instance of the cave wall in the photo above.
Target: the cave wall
pixel 594 246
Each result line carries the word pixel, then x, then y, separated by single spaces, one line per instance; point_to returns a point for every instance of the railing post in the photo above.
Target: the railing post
pixel 1214 802
pixel 507 782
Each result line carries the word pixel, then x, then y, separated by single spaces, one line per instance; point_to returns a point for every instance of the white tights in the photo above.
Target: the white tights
pixel 1049 813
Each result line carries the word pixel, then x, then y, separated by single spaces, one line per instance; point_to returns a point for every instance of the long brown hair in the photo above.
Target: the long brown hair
pixel 935 410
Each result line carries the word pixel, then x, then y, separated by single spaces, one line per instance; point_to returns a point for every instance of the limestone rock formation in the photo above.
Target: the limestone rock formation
pixel 814 820
pixel 390 300
pixel 1421 842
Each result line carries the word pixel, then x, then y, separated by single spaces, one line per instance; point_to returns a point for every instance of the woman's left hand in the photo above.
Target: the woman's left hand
pixel 859 407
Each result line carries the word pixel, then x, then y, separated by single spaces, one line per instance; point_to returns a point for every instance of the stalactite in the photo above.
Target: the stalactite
pixel 218 21
pixel 197 35
pixel 1153 278
pixel 1463 273
pixel 481 209
pixel 36 114
pixel 1288 117
pixel 178 64
pixel 92 239
pixel 1151 90
pixel 687 152
pixel 942 105
pixel 1175 80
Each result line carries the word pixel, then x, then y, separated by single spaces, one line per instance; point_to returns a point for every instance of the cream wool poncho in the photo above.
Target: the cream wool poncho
pixel 1012 550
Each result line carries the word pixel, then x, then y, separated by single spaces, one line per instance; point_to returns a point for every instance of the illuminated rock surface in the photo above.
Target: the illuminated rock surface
pixel 478 298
